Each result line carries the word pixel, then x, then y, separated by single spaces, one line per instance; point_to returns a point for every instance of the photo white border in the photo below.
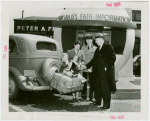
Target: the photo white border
pixel 143 115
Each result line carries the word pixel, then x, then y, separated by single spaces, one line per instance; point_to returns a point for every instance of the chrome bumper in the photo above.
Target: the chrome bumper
pixel 25 84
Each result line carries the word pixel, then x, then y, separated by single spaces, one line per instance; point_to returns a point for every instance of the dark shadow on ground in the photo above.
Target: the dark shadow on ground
pixel 50 101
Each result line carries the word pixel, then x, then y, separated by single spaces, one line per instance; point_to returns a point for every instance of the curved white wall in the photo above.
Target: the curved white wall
pixel 123 59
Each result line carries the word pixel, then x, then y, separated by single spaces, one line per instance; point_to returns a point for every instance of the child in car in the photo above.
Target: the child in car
pixel 65 63
pixel 72 69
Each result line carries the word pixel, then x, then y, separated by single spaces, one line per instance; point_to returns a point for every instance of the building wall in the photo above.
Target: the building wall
pixel 118 39
pixel 57 36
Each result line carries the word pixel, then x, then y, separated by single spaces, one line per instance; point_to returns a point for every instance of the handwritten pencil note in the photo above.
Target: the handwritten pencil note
pixel 5 50
pixel 4 56
pixel 115 4
pixel 117 117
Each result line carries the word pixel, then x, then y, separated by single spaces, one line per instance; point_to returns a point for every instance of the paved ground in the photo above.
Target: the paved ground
pixel 47 101
pixel 126 99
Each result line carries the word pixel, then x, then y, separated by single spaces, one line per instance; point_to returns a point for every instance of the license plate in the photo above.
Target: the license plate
pixel 29 72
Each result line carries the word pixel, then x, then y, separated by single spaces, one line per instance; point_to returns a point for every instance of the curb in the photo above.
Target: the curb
pixel 127 94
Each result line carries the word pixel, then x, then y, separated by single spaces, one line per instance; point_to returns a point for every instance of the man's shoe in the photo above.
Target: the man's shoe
pixel 105 107
pixel 91 100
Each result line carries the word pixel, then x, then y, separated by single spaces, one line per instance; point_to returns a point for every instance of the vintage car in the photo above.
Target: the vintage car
pixel 31 60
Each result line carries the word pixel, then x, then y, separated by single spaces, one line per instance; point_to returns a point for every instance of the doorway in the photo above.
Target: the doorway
pixel 80 36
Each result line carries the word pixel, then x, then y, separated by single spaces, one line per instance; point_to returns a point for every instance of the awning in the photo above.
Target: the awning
pixel 95 17
pixel 93 23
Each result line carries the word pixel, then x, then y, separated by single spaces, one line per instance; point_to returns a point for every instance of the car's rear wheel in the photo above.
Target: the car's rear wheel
pixel 14 90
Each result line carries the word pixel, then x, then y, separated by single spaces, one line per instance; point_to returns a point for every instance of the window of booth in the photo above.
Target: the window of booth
pixel 80 36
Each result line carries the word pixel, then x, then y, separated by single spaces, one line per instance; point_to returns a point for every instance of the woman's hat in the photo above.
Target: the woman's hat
pixel 99 35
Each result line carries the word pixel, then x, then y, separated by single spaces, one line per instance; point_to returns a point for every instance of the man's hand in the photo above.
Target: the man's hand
pixel 89 70
pixel 105 69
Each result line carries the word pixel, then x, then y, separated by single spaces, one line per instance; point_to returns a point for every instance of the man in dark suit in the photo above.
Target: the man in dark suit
pixel 103 71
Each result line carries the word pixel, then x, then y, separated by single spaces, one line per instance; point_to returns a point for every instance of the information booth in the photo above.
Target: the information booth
pixel 116 24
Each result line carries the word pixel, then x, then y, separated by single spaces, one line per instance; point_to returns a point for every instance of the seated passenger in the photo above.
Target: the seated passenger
pixel 72 68
pixel 65 63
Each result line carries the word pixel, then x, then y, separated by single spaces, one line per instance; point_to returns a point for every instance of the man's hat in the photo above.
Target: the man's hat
pixel 99 35
pixel 88 36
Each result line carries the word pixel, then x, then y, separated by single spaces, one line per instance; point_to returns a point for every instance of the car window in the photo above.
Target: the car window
pixel 12 46
pixel 46 46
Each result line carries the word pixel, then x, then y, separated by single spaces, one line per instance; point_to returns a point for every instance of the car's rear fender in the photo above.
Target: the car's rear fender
pixel 22 81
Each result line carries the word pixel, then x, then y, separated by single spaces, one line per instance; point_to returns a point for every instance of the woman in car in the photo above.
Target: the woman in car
pixel 76 51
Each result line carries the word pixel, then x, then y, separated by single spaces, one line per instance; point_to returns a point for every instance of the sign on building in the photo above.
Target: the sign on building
pixel 32 26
